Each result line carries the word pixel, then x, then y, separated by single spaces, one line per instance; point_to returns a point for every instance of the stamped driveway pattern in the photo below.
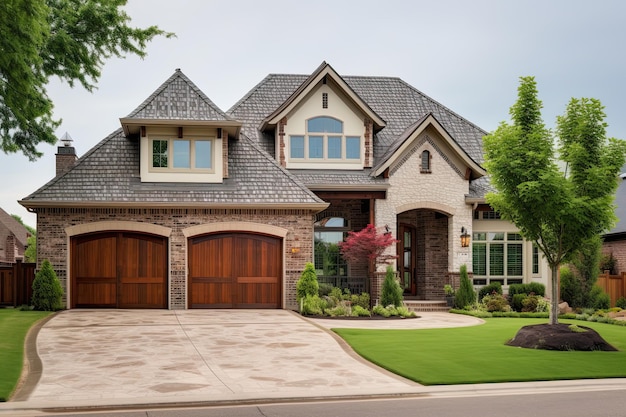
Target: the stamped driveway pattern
pixel 161 355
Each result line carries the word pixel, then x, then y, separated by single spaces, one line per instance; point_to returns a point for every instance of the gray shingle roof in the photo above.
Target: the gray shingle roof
pixel 109 173
pixel 398 103
pixel 178 98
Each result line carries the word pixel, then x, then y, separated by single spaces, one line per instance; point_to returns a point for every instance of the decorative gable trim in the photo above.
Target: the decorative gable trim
pixel 406 140
pixel 417 145
pixel 321 75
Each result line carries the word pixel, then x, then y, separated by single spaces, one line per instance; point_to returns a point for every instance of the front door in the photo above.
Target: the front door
pixel 407 253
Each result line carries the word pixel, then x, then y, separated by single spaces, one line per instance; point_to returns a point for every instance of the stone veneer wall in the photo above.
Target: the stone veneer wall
pixel 53 241
pixel 442 190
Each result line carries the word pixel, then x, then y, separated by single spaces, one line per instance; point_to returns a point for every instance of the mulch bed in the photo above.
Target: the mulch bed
pixel 559 337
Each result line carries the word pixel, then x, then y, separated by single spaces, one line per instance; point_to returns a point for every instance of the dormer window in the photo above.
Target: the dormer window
pixel 187 154
pixel 325 141
pixel 182 154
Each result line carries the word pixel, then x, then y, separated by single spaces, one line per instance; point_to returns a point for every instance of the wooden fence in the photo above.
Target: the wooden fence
pixel 613 285
pixel 16 284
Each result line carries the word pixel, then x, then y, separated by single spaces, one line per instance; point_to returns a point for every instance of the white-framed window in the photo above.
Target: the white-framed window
pixel 181 154
pixel 497 256
pixel 324 141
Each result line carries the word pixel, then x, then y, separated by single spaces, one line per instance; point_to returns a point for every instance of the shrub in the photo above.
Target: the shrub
pixel 324 288
pixel 465 295
pixel 311 305
pixel 391 293
pixel 404 312
pixel 362 300
pixel 621 303
pixel 338 310
pixel 307 284
pixel 531 288
pixel 517 301
pixel 47 291
pixel 571 291
pixel 336 294
pixel 495 302
pixel 494 287
pixel 381 311
pixel 535 304
pixel 359 311
pixel 600 299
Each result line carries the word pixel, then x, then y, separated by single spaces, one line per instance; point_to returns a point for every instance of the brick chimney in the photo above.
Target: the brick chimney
pixel 66 154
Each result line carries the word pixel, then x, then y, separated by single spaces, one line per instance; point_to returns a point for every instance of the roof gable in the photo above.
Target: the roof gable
pixel 405 140
pixel 177 99
pixel 322 74
pixel 18 230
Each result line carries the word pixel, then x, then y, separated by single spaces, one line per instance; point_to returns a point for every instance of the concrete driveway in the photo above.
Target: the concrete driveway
pixel 122 357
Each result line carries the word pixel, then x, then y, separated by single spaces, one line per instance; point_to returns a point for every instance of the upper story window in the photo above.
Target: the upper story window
pixel 324 141
pixel 425 166
pixel 182 155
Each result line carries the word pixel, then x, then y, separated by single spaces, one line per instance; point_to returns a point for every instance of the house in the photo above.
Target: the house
pixel 188 206
pixel 614 241
pixel 13 239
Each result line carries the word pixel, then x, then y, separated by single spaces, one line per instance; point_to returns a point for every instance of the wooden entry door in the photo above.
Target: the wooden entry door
pixel 407 259
pixel 119 270
pixel 235 270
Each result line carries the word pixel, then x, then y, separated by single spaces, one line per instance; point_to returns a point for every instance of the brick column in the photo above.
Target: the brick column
pixel 281 142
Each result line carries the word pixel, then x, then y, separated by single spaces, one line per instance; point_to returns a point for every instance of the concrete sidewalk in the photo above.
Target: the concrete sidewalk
pixel 98 359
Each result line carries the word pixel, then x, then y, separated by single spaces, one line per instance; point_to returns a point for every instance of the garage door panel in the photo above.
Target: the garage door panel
pixel 96 293
pixel 119 270
pixel 141 272
pixel 245 271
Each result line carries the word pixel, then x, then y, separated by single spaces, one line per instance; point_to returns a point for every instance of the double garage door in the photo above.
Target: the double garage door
pixel 130 270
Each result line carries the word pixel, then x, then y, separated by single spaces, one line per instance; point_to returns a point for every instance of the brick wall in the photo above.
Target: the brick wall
pixel 53 240
pixel 618 249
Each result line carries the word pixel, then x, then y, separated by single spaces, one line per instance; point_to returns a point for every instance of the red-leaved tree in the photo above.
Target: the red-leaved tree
pixel 367 244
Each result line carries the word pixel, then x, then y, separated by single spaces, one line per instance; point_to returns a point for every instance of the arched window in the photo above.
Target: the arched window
pixel 425 167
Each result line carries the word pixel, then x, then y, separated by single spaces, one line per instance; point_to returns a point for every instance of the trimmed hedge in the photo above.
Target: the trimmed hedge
pixel 531 288
pixel 489 289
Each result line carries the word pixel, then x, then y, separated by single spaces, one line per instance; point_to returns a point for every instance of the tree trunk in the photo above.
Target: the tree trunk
pixel 554 310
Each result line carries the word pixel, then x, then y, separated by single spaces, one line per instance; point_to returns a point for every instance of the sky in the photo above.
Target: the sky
pixel 467 55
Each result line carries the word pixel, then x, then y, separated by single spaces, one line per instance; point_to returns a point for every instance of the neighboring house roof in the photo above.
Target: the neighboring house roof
pixel 16 228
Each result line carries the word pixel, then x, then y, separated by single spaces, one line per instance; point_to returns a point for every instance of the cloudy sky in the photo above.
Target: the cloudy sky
pixel 468 55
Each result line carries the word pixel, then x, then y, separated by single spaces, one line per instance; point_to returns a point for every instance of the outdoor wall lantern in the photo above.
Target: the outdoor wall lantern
pixel 465 238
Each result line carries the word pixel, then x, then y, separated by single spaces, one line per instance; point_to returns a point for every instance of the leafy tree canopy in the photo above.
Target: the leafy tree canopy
pixel 70 39
pixel 558 209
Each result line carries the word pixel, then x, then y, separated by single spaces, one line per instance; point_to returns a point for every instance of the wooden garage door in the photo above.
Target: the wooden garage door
pixel 235 270
pixel 119 270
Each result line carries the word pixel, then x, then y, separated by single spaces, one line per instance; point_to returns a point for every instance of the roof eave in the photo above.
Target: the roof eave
pixel 150 204
pixel 133 125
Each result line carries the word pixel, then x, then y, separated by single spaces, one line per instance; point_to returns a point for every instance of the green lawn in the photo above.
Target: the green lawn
pixel 478 354
pixel 14 325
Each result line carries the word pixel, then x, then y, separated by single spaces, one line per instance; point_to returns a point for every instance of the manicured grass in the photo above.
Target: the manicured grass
pixel 14 325
pixel 478 354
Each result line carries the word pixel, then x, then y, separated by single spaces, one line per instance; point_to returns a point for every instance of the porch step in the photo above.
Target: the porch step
pixel 426 306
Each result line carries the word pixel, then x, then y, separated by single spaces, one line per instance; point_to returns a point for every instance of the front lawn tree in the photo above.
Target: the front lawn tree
pixel 556 208
pixel 69 39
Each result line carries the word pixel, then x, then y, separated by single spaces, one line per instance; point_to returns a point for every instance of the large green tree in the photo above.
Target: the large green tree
pixel 70 39
pixel 556 208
